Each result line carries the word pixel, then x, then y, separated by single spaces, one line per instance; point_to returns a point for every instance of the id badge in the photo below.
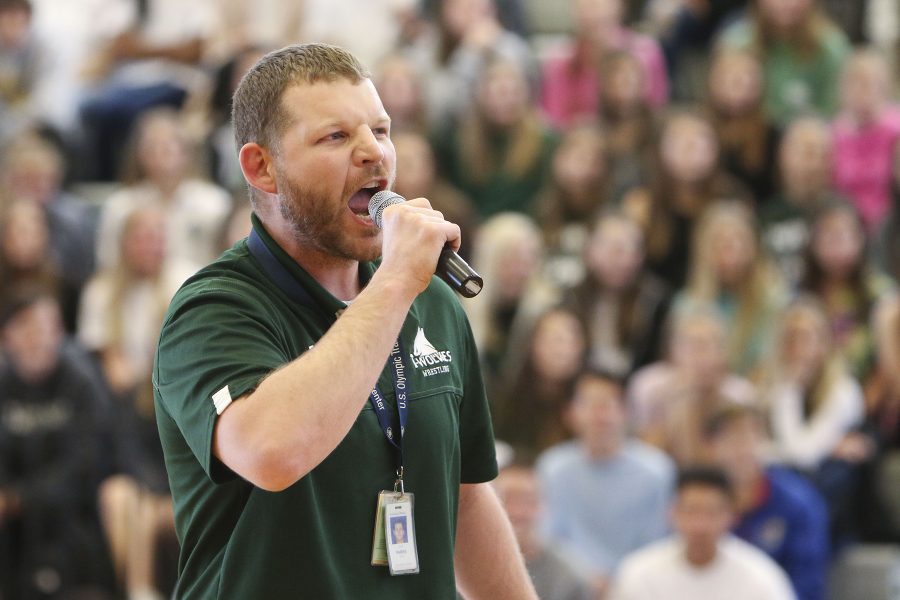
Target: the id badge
pixel 400 534
pixel 379 545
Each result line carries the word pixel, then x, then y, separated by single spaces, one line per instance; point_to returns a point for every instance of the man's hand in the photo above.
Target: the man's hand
pixel 414 235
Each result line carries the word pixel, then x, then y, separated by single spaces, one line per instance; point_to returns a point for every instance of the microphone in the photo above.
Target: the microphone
pixel 450 266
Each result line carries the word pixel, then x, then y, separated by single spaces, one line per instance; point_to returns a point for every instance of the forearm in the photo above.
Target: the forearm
pixel 487 558
pixel 299 414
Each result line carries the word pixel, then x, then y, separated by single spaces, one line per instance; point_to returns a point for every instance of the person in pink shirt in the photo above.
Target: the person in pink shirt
pixel 571 79
pixel 864 135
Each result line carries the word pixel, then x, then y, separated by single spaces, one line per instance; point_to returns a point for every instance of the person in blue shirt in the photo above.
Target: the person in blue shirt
pixel 779 511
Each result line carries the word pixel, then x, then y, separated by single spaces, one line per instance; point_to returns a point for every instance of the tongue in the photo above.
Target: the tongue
pixel 359 202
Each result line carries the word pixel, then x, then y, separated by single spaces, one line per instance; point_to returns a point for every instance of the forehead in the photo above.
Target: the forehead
pixel 340 101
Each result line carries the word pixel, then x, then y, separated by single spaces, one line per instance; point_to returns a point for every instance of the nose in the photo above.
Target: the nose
pixel 368 149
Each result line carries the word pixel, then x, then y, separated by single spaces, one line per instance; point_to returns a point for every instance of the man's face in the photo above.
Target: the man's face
pixel 334 154
pixel 32 339
pixel 702 514
pixel 596 412
pixel 738 448
pixel 519 493
pixel 399 532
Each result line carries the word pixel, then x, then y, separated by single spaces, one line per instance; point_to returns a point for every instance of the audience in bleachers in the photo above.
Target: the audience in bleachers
pixel 623 306
pixel 551 570
pixel 701 559
pixel 778 511
pixel 632 155
pixel 671 400
pixel 596 528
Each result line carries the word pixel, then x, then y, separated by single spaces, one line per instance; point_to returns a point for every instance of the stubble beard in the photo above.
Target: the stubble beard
pixel 314 224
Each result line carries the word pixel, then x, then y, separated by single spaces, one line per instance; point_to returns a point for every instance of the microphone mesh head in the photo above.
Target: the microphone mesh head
pixel 380 201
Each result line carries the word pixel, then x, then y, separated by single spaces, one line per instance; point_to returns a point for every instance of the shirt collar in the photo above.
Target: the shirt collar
pixel 322 297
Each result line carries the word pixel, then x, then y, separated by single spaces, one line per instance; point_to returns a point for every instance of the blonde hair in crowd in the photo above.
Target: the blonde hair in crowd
pixel 755 289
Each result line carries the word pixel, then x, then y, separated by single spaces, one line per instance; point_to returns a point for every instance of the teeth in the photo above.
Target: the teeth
pixel 374 184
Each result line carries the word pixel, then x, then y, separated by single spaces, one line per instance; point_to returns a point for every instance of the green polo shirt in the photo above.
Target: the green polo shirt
pixel 229 326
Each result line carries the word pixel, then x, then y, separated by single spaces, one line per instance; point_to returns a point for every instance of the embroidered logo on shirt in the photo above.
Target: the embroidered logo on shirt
pixel 428 358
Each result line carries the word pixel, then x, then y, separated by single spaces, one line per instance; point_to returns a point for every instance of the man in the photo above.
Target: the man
pixel 780 512
pixel 51 543
pixel 399 530
pixel 276 444
pixel 553 576
pixel 701 560
pixel 607 495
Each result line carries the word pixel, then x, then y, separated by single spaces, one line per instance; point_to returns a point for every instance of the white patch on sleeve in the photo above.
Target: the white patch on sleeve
pixel 222 399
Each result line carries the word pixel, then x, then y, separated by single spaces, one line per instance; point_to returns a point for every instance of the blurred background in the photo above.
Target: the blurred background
pixel 686 213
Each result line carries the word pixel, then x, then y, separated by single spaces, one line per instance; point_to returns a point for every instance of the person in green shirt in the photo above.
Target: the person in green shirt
pixel 277 446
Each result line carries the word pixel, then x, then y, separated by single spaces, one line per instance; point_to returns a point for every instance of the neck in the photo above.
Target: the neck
pixel 602 449
pixel 746 490
pixel 340 276
pixel 700 556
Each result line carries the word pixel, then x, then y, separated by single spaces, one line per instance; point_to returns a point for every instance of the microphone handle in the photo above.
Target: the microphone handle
pixel 458 274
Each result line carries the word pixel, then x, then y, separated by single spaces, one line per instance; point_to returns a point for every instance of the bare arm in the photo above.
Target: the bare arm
pixel 488 563
pixel 300 413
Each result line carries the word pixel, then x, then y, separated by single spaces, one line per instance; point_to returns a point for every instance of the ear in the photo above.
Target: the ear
pixel 258 167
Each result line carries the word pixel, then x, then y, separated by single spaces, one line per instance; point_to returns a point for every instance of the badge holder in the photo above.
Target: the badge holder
pixel 394 543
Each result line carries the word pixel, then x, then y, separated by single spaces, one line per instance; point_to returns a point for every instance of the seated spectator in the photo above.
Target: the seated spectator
pixel 399 85
pixel 628 119
pixel 25 252
pixel 865 133
pixel 508 253
pixel 685 180
pixel 417 177
pixel 840 274
pixel 804 164
pixel 878 512
pixel 815 405
pixel 623 306
pixel 162 173
pixel 578 187
pixel 33 169
pixel 702 560
pixel 747 137
pixel 571 82
pixel 23 64
pixel 801 50
pixel 122 312
pixel 778 511
pixel 551 572
pixel 500 152
pixel 528 409
pixel 222 151
pixel 453 55
pixel 729 271
pixel 606 494
pixel 152 61
pixel 51 407
pixel 671 400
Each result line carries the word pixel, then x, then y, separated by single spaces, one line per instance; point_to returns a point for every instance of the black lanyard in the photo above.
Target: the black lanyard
pixel 296 292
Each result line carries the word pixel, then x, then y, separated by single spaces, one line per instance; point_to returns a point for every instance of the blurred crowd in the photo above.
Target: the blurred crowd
pixel 686 213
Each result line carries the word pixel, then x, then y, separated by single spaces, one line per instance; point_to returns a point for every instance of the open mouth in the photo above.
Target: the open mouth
pixel 359 202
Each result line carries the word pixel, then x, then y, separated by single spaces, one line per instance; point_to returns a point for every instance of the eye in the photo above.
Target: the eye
pixel 382 131
pixel 333 136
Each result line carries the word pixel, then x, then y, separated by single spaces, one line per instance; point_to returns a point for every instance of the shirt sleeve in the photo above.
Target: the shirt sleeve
pixel 476 435
pixel 215 347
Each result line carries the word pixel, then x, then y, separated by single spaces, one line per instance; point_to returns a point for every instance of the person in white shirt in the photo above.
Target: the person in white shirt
pixel 702 561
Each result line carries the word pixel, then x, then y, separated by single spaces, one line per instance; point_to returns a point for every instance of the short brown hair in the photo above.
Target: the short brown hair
pixel 257 113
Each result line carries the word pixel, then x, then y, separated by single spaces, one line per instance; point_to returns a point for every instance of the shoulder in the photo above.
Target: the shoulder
pixel 232 279
pixel 651 461
pixel 205 195
pixel 558 458
pixel 757 566
pixel 653 558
